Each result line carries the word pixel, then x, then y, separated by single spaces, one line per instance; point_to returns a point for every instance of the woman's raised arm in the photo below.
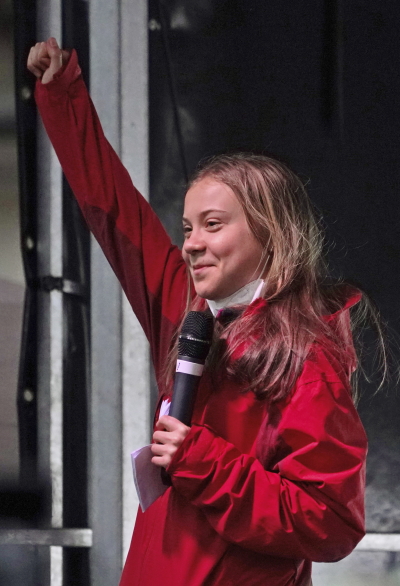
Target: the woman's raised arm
pixel 151 270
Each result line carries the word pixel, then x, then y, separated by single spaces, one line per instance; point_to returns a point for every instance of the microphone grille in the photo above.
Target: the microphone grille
pixel 196 335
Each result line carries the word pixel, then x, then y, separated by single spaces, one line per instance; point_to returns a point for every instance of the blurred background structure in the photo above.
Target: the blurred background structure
pixel 11 273
pixel 313 83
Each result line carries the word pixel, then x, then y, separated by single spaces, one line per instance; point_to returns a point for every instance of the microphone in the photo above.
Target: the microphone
pixel 193 347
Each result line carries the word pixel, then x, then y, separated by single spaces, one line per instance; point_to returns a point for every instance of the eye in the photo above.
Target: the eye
pixel 213 224
pixel 187 231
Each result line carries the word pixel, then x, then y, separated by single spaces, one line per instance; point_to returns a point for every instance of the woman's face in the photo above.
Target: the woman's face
pixel 220 250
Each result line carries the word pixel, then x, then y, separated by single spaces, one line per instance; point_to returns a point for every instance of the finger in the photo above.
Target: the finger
pixel 32 65
pixel 42 51
pixel 160 450
pixel 55 54
pixel 169 423
pixel 65 55
pixel 159 457
pixel 163 437
pixel 155 450
pixel 52 42
pixel 41 48
pixel 36 72
pixel 31 56
pixel 161 462
pixel 42 64
pixel 53 49
pixel 34 62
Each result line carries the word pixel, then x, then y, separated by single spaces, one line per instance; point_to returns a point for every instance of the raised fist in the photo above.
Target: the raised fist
pixel 46 58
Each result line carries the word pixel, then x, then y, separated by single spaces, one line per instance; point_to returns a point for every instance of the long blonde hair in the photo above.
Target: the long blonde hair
pixel 264 350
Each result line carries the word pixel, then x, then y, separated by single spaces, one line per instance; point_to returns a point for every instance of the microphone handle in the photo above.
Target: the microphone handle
pixel 184 395
pixel 182 404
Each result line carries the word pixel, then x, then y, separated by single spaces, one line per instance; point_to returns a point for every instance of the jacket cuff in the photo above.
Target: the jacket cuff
pixel 62 79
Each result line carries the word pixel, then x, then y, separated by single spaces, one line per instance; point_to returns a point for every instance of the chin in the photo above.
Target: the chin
pixel 204 292
pixel 210 291
pixel 212 295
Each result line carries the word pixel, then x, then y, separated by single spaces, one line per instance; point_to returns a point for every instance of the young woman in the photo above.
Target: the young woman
pixel 270 475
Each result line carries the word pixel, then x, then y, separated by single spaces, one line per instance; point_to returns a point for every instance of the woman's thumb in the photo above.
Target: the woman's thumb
pixel 53 49
pixel 56 59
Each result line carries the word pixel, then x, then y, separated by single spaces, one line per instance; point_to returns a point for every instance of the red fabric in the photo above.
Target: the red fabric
pixel 258 492
pixel 151 270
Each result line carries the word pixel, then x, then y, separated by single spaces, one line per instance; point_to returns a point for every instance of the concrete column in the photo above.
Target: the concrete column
pixel 50 317
pixel 120 395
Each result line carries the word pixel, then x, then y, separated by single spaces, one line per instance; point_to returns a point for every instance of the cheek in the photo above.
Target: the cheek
pixel 226 244
pixel 248 255
pixel 244 247
pixel 224 250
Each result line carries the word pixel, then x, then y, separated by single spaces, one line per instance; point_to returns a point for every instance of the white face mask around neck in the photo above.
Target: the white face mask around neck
pixel 244 296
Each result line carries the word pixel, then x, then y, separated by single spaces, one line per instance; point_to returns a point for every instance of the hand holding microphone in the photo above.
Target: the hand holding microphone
pixel 193 347
pixel 169 435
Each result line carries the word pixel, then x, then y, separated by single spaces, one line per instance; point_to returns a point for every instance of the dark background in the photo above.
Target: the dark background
pixel 315 83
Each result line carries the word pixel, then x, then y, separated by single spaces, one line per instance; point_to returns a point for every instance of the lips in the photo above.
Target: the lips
pixel 197 269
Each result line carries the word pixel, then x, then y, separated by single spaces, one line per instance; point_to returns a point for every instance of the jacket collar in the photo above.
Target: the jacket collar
pixel 352 296
pixel 227 314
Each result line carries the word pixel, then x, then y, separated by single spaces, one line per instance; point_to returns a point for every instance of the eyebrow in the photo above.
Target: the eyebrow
pixel 209 211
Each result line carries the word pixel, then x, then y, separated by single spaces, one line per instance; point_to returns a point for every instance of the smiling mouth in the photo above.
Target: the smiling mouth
pixel 199 268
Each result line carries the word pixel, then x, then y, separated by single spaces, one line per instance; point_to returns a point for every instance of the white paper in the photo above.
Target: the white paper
pixel 147 477
pixel 164 409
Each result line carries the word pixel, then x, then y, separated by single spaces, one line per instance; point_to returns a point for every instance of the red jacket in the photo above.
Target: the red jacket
pixel 258 492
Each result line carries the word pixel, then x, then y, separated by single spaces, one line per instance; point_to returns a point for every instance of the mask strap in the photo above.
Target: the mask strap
pixel 265 264
pixel 257 293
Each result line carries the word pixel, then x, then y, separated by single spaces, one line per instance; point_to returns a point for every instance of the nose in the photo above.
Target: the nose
pixel 193 243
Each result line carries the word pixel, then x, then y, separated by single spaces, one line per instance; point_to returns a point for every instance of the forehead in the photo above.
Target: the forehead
pixel 210 194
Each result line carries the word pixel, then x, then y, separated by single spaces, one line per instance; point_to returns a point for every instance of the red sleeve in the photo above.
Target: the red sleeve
pixel 308 503
pixel 151 270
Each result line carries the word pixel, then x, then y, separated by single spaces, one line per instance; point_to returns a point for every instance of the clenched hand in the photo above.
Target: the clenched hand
pixel 169 435
pixel 46 58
